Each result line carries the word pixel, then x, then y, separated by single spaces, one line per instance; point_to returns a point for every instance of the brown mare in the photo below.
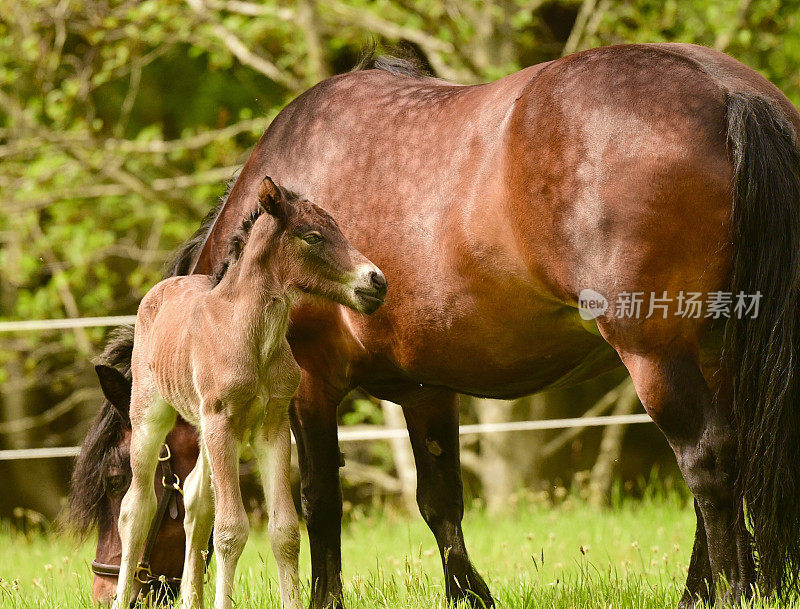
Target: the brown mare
pixel 634 168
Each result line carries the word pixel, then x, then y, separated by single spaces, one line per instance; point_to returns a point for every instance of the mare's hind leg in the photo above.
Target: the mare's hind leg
pixel 151 421
pixel 274 456
pixel 432 421
pixel 699 580
pixel 198 501
pixel 674 392
pixel 231 526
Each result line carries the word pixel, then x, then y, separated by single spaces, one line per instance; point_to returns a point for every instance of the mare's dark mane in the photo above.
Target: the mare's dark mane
pixel 183 258
pixel 399 66
pixel 100 447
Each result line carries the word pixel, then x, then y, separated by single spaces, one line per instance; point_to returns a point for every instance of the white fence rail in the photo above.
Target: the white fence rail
pixel 345 435
pixel 65 324
pixel 383 433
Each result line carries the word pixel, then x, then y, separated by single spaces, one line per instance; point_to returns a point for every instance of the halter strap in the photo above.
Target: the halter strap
pixel 143 573
pixel 172 487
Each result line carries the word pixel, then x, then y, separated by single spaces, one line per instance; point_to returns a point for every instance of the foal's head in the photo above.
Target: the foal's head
pixel 304 247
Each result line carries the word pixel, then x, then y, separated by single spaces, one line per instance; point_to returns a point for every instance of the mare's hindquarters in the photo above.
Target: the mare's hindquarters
pixel 660 180
pixel 733 424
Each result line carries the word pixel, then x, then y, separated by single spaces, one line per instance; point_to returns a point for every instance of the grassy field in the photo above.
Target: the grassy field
pixel 570 556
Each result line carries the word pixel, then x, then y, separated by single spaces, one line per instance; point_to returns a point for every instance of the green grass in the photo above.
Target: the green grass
pixel 571 556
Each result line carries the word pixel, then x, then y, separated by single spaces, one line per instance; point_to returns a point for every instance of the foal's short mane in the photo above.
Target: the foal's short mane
pixel 236 245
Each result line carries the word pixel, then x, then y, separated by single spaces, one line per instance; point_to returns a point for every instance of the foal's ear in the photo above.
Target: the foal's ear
pixel 117 390
pixel 272 200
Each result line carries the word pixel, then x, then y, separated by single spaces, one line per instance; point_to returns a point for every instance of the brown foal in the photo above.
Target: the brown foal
pixel 213 350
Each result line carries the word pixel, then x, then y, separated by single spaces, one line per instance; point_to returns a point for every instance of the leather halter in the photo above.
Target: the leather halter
pixel 172 487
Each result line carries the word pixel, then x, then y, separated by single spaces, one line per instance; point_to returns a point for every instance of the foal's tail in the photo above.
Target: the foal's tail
pixel 763 353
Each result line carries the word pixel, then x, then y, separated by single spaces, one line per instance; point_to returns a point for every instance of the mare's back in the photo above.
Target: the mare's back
pixel 372 125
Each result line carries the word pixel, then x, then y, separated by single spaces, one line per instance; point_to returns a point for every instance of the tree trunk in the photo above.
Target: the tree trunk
pixel 403 455
pixel 498 472
pixel 605 467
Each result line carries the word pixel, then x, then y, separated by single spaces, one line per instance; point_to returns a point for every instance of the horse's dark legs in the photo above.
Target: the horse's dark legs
pixel 313 418
pixel 699 581
pixel 675 394
pixel 432 420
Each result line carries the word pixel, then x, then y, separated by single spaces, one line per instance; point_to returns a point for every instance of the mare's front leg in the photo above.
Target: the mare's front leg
pixel 274 453
pixel 231 526
pixel 313 418
pixel 151 421
pixel 432 421
pixel 197 523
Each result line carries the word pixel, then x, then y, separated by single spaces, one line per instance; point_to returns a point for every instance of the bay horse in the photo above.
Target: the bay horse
pixel 632 169
pixel 213 350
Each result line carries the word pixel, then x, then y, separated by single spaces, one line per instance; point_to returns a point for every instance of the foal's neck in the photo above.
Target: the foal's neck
pixel 260 297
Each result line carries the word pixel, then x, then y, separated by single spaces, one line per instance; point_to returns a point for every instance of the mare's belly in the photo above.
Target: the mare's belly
pixel 503 351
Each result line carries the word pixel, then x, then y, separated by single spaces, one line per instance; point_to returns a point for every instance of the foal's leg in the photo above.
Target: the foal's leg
pixel 230 523
pixel 432 420
pixel 274 455
pixel 198 500
pixel 675 394
pixel 150 425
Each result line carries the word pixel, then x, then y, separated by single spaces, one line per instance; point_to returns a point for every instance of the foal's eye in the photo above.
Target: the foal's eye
pixel 312 238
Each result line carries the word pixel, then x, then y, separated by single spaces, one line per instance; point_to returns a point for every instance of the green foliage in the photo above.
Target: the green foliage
pixel 362 410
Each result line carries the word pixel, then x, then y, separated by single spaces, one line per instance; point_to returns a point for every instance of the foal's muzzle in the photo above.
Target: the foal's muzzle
pixel 372 291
